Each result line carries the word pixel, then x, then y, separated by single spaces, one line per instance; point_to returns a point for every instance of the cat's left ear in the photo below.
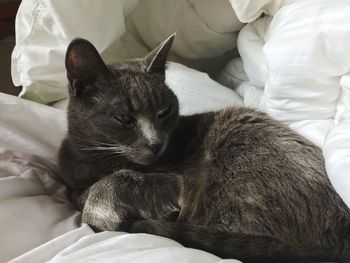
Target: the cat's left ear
pixel 156 60
pixel 83 64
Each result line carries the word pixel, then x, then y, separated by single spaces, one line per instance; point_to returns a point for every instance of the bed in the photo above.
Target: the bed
pixel 287 58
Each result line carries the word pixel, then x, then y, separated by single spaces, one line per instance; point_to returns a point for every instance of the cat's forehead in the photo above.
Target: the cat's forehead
pixel 132 65
pixel 137 91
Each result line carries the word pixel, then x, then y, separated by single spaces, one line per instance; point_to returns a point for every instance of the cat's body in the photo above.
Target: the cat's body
pixel 245 185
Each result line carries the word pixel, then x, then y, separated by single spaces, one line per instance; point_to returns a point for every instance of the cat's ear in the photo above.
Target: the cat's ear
pixel 83 65
pixel 156 60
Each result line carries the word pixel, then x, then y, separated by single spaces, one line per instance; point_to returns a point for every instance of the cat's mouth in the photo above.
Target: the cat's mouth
pixel 145 161
pixel 149 155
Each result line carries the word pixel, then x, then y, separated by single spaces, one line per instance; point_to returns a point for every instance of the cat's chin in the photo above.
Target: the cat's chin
pixel 146 161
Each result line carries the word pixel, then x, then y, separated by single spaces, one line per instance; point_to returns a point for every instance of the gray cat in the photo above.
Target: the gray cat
pixel 235 182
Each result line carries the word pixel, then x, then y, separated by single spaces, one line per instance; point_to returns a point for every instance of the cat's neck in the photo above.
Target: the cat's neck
pixel 184 143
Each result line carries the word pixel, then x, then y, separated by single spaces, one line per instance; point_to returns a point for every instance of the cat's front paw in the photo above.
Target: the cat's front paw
pixel 103 218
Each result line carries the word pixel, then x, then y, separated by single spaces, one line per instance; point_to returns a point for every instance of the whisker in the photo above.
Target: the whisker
pixel 114 149
pixel 101 151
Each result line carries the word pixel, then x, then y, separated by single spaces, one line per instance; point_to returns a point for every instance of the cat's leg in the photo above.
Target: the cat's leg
pixel 116 200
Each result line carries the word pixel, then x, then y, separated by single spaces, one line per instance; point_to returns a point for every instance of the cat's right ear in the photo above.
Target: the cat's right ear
pixel 156 60
pixel 83 64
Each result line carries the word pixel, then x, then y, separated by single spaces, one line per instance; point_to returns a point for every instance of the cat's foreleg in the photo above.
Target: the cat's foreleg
pixel 118 199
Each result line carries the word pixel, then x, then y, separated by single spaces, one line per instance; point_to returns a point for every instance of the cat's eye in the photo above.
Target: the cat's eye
pixel 124 119
pixel 164 112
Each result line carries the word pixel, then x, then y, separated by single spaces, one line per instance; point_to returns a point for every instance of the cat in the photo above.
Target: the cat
pixel 235 182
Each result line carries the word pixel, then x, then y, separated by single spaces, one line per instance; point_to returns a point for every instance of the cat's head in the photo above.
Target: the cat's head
pixel 123 109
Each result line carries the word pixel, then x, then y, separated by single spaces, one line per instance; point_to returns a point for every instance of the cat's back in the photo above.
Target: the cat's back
pixel 240 134
pixel 260 172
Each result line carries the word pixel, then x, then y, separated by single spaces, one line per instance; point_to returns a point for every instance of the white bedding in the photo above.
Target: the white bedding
pixel 295 66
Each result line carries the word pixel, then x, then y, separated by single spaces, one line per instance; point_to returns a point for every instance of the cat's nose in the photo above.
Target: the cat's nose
pixel 156 147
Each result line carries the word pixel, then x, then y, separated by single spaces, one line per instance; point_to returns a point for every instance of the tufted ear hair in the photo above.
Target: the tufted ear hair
pixel 156 60
pixel 83 65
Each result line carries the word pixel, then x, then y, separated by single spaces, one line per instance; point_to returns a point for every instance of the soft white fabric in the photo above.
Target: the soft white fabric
pixel 50 249
pixel 249 10
pixel 123 247
pixel 337 145
pixel 43 30
pixel 206 30
pixel 33 206
pixel 31 128
pixel 197 92
pixel 250 46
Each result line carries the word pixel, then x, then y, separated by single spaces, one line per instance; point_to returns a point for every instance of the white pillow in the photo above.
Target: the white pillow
pixel 33 206
pixel 197 92
pixel 250 43
pixel 205 29
pixel 43 32
pixel 205 32
pixel 249 10
pixel 307 52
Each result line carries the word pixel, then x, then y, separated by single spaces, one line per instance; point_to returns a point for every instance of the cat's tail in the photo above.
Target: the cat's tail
pixel 248 248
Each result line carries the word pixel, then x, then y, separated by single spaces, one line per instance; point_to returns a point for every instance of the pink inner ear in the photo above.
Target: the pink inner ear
pixel 74 62
pixel 80 61
pixel 83 60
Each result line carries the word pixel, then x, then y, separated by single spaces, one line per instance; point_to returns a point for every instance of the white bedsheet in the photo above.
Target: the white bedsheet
pixel 33 207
